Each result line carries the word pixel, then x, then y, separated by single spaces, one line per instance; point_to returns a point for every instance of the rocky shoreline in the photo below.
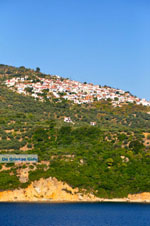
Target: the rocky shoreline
pixel 52 190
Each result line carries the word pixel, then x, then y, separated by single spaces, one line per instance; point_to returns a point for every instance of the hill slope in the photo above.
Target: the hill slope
pixel 110 159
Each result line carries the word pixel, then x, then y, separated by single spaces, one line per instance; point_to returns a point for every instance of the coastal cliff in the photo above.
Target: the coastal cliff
pixel 46 190
pixel 52 190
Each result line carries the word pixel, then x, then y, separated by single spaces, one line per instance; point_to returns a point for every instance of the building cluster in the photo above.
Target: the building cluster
pixel 71 90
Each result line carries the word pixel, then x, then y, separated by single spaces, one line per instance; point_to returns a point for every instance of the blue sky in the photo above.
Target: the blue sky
pixel 106 42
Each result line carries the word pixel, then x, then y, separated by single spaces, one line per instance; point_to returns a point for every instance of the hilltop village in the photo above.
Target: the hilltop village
pixel 74 91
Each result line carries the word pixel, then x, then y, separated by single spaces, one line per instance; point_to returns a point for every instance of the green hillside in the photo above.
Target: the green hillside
pixel 110 159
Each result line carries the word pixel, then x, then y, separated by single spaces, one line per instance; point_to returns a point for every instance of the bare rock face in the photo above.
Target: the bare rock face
pixel 46 190
pixel 141 197
pixel 23 175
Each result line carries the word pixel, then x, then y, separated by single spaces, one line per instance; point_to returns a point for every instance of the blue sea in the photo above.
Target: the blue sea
pixel 74 214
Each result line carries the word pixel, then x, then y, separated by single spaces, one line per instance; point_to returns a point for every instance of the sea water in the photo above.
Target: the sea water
pixel 74 214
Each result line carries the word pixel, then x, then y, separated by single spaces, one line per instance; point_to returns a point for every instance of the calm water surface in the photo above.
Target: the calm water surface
pixel 77 214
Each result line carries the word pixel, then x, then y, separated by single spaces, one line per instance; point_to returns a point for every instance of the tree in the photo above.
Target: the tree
pixel 37 69
pixel 116 98
pixel 29 89
pixel 136 146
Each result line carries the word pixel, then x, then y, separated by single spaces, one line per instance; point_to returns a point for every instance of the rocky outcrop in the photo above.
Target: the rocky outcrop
pixel 141 197
pixel 47 190
pixel 52 190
